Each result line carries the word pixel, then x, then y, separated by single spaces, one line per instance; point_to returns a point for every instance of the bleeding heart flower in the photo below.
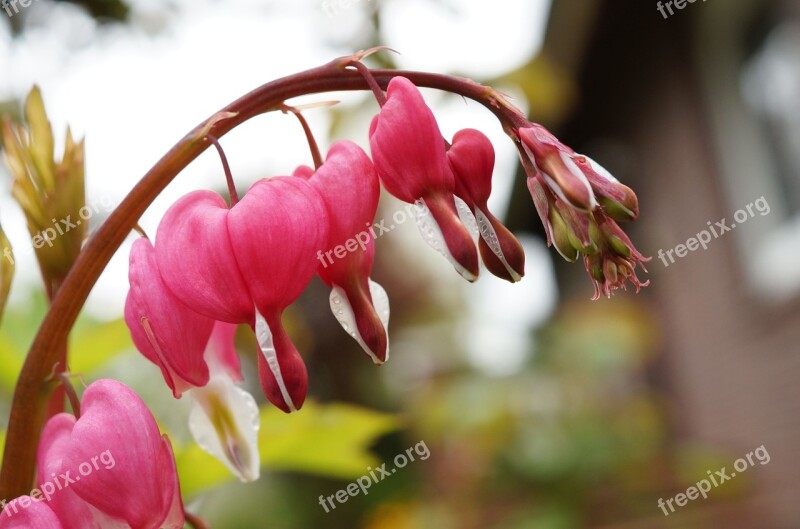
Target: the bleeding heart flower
pixel 117 461
pixel 246 264
pixel 471 158
pixel 409 153
pixel 165 330
pixel 349 185
pixel 224 418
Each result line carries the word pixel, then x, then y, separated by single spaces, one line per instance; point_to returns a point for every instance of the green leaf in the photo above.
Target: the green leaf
pixel 330 440
pixel 93 346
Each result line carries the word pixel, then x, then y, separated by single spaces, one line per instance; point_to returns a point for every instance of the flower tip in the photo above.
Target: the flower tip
pixel 365 317
pixel 281 370
pixel 441 228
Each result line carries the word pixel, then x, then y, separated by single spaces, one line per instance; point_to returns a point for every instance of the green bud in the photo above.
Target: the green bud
pixel 610 271
pixel 619 246
pixel 597 270
pixel 562 237
pixel 50 191
pixel 591 249
pixel 616 210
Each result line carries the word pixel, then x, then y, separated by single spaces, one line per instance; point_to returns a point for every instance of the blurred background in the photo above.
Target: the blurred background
pixel 540 408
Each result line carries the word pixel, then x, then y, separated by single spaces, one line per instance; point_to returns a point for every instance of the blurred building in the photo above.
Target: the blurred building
pixel 700 113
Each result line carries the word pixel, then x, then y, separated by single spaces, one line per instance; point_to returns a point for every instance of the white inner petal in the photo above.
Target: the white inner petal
pixel 467 218
pixel 264 337
pixel 432 235
pixel 490 236
pixel 236 448
pixel 599 169
pixel 343 312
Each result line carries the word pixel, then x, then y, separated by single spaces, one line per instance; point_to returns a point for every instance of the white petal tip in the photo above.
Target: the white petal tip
pixel 343 312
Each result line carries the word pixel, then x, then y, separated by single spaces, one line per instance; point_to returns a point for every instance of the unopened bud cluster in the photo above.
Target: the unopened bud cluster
pixel 580 204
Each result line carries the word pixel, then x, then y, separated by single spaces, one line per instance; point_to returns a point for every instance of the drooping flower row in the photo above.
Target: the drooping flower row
pixel 214 266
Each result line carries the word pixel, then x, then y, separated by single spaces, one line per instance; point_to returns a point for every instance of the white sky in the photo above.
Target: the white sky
pixel 133 94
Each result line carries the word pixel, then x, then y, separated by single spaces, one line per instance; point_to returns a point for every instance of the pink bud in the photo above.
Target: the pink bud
pixel 348 184
pixel 276 231
pixel 247 264
pixel 409 153
pixel 120 463
pixel 558 167
pixel 73 512
pixel 167 332
pixel 471 158
pixel 196 259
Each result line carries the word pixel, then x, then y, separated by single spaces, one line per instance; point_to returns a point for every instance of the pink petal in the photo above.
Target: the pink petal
pixel 129 476
pixel 407 146
pixel 276 231
pixel 471 158
pixel 168 484
pixel 197 261
pixel 303 171
pixel 25 513
pixel 73 512
pixel 166 331
pixel 558 167
pixel 409 154
pixel 349 186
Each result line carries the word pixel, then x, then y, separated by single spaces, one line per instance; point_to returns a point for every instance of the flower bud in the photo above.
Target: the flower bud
pixel 560 171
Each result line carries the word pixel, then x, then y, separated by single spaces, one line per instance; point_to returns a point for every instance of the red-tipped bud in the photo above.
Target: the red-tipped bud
pixel 409 154
pixel 471 158
pixel 558 167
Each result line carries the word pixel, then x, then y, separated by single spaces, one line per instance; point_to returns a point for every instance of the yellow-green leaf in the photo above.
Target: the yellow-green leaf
pixel 95 345
pixel 41 139
pixel 11 358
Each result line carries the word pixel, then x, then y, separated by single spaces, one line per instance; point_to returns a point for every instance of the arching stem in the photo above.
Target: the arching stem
pixel 26 418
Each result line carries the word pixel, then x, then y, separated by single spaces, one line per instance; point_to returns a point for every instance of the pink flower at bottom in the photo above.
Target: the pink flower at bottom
pixel 111 468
